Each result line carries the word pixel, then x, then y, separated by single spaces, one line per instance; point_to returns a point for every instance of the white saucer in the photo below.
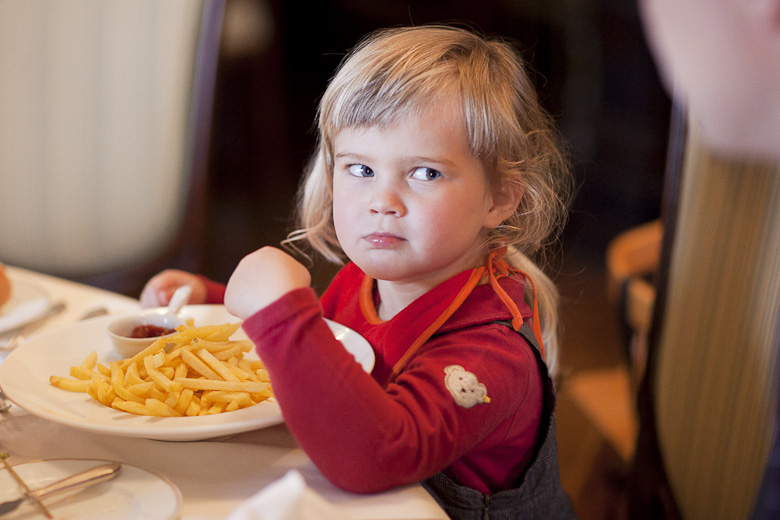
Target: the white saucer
pixel 134 494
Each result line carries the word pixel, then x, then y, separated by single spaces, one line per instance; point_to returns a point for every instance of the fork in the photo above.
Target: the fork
pixel 18 339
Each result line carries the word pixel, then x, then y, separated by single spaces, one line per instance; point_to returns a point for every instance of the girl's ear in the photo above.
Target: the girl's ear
pixel 506 198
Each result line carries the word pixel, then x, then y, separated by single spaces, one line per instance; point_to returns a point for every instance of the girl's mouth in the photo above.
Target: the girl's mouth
pixel 383 240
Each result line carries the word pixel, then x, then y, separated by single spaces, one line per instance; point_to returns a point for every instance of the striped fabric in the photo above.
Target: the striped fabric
pixel 94 108
pixel 716 398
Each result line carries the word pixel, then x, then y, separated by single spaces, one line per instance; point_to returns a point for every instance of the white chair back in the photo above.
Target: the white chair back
pixel 97 130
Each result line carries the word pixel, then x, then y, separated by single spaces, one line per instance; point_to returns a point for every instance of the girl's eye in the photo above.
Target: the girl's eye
pixel 424 173
pixel 360 170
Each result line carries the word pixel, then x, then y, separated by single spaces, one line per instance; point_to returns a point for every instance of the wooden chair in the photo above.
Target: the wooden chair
pixel 104 137
pixel 632 260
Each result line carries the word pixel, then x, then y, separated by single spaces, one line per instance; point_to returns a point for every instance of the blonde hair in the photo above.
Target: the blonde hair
pixel 394 73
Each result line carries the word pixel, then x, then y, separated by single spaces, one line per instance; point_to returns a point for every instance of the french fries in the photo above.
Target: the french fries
pixel 198 371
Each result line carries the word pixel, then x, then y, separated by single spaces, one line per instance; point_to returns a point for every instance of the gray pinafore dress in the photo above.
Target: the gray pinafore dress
pixel 539 495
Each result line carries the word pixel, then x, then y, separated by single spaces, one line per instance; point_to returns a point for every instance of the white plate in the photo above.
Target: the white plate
pixel 27 303
pixel 134 494
pixel 24 377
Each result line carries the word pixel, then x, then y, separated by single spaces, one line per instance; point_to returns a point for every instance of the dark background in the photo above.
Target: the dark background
pixel 589 61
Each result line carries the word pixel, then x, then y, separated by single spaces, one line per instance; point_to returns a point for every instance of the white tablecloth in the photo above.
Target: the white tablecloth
pixel 214 476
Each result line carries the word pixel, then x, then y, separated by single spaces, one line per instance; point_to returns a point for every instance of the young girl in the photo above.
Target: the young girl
pixel 437 174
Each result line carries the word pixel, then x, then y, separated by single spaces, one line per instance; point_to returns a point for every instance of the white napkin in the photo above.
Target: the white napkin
pixel 288 498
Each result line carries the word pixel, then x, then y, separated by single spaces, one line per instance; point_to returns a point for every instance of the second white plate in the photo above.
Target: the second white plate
pixel 134 494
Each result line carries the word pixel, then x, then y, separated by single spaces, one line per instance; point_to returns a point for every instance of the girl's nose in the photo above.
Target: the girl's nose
pixel 386 200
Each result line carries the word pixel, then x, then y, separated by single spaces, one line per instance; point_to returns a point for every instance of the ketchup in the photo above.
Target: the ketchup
pixel 150 331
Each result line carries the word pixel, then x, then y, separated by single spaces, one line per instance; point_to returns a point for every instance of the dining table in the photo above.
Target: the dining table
pixel 211 477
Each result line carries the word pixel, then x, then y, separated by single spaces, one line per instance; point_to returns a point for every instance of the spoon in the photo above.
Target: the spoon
pixel 179 299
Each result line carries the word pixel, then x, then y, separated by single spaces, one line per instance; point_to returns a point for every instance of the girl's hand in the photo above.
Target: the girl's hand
pixel 160 288
pixel 261 278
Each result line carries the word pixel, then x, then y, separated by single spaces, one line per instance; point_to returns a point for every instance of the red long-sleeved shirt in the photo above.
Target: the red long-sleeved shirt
pixel 366 438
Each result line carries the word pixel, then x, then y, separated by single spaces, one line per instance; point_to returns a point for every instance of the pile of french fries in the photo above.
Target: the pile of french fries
pixel 198 371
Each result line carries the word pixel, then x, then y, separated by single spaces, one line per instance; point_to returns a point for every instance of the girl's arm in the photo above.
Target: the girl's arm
pixel 365 438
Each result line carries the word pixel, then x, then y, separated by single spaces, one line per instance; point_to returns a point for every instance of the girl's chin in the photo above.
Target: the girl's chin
pixel 385 266
pixel 383 271
pixel 401 273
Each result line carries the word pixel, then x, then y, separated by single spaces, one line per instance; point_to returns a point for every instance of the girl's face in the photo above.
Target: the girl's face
pixel 411 204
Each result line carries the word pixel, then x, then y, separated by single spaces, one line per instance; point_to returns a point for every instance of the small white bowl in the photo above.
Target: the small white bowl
pixel 120 331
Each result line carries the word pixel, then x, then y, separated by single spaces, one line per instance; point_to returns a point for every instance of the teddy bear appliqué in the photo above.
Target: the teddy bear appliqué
pixel 465 387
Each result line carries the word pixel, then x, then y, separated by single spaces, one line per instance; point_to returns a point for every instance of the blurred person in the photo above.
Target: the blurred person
pixel 715 376
pixel 721 60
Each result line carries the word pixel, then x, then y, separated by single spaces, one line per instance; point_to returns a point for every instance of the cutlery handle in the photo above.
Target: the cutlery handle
pixel 84 478
pixel 55 309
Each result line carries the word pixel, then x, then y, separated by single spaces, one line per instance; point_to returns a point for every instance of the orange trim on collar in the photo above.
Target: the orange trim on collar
pixel 472 282
pixel 366 299
pixel 498 268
